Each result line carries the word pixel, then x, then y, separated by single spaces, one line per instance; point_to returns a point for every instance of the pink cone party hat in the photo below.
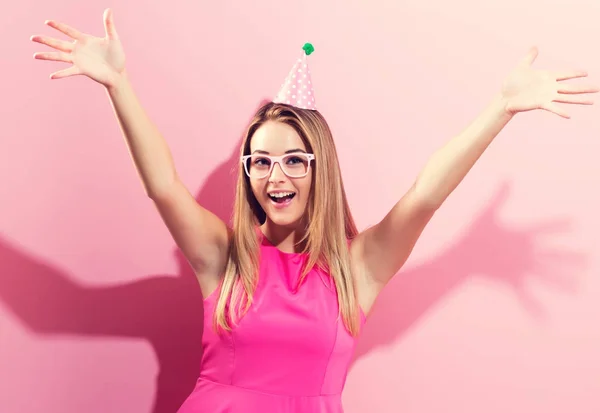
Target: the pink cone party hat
pixel 297 89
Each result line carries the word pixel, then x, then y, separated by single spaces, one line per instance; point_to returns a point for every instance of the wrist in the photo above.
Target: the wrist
pixel 116 82
pixel 501 105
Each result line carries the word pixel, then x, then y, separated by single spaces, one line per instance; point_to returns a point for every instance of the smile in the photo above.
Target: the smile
pixel 281 199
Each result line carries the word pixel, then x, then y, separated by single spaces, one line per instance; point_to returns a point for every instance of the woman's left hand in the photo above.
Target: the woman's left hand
pixel 527 89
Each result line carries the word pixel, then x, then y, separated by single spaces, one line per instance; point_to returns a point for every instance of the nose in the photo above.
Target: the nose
pixel 277 174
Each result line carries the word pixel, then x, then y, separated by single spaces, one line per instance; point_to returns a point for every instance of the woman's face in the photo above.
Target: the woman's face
pixel 280 173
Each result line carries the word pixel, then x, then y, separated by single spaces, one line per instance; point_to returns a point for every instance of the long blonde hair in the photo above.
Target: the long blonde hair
pixel 329 225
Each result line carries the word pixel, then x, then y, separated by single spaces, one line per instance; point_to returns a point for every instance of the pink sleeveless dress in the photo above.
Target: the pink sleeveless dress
pixel 289 354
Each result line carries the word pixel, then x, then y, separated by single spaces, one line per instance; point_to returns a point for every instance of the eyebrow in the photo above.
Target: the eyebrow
pixel 288 151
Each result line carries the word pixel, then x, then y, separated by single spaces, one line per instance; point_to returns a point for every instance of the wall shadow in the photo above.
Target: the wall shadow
pixel 164 309
pixel 509 257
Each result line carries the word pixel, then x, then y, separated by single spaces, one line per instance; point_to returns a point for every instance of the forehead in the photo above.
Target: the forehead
pixel 276 138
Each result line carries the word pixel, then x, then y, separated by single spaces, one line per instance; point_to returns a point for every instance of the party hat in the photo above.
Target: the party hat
pixel 297 89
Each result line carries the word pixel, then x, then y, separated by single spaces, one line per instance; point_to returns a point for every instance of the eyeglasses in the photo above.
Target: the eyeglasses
pixel 294 165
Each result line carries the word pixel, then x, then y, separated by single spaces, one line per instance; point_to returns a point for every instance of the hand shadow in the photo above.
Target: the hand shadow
pixel 165 309
pixel 507 256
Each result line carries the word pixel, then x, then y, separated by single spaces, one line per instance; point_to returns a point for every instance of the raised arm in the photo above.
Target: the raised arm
pixel 382 249
pixel 201 235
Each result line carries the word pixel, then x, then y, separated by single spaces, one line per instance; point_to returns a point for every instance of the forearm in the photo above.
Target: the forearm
pixel 147 147
pixel 447 167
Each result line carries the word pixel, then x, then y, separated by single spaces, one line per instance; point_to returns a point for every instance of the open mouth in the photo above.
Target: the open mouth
pixel 282 197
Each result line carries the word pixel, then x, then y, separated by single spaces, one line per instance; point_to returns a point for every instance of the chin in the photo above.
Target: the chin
pixel 284 220
pixel 291 217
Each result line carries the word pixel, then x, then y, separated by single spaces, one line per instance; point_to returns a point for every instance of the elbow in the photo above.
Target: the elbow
pixel 153 192
pixel 161 189
pixel 427 200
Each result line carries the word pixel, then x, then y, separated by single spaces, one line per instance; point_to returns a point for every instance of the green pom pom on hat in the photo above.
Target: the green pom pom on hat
pixel 308 48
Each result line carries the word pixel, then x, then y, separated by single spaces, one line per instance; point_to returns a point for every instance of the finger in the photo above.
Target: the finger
pixel 550 107
pixel 54 43
pixel 109 25
pixel 71 71
pixel 562 257
pixel 530 57
pixel 573 99
pixel 557 226
pixel 557 276
pixel 54 56
pixel 553 279
pixel 571 74
pixel 574 89
pixel 64 28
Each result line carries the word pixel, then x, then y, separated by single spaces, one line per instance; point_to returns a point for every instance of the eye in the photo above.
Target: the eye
pixel 261 161
pixel 295 160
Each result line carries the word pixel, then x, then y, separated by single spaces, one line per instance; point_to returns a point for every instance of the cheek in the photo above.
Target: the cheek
pixel 305 187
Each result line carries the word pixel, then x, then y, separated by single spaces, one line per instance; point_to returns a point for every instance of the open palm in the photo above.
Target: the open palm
pixel 100 58
pixel 528 89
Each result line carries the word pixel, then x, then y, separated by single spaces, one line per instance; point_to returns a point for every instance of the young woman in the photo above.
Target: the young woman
pixel 288 286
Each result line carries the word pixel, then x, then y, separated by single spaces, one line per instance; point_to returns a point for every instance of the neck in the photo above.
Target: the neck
pixel 284 238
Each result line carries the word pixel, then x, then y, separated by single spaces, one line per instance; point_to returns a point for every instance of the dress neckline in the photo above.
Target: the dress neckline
pixel 266 242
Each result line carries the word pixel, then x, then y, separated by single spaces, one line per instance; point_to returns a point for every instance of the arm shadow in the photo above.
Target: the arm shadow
pixel 164 309
pixel 508 257
pixel 167 309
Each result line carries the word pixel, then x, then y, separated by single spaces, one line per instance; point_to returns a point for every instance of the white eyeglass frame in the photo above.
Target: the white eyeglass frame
pixel 278 159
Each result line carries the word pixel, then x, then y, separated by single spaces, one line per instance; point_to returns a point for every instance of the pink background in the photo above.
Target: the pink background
pixel 498 309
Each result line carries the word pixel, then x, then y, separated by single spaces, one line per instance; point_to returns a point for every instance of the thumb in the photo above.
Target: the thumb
pixel 109 25
pixel 530 57
pixel 497 201
pixel 501 195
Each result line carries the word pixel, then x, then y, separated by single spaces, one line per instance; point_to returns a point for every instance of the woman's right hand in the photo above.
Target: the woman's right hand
pixel 100 58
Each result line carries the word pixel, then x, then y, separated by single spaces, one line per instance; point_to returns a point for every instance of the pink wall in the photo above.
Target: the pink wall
pixel 496 311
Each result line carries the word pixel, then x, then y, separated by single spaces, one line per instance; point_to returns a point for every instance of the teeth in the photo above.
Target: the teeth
pixel 280 194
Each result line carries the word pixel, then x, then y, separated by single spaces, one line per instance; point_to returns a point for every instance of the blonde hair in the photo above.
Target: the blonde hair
pixel 330 225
